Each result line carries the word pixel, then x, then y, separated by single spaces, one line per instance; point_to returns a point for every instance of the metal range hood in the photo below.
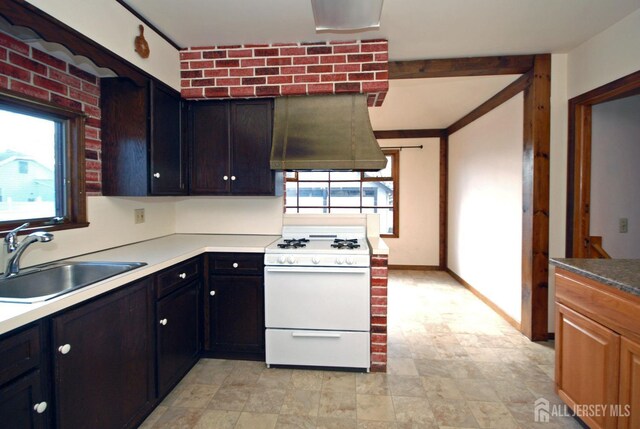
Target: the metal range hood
pixel 324 132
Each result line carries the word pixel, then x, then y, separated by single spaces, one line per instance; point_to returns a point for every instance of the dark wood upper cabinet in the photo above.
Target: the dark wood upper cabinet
pixel 230 144
pixel 143 152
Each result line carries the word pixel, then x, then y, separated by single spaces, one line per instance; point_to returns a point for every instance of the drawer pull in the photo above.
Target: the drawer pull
pixel 233 177
pixel 64 349
pixel 182 275
pixel 315 335
pixel 212 293
pixel 163 322
pixel 225 178
pixel 156 175
pixel 40 407
pixel 235 265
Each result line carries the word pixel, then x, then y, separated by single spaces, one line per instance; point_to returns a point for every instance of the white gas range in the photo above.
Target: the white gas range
pixel 317 297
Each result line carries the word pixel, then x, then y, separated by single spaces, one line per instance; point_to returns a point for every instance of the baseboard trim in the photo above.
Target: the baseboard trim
pixel 415 267
pixel 486 300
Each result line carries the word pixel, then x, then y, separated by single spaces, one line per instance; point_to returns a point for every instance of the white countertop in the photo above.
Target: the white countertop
pixel 158 253
pixel 378 246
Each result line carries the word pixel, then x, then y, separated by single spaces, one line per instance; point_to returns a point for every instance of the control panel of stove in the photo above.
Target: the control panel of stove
pixel 328 260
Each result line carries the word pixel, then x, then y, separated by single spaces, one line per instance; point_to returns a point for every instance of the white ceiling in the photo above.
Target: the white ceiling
pixel 434 103
pixel 415 29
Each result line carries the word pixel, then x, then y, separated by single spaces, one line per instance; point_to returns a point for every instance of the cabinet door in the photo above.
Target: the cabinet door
pixel 587 364
pixel 125 111
pixel 209 128
pixel 629 385
pixel 178 335
pixel 167 170
pixel 251 122
pixel 22 403
pixel 237 314
pixel 103 364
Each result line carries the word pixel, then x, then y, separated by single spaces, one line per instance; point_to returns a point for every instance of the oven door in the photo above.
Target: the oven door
pixel 317 298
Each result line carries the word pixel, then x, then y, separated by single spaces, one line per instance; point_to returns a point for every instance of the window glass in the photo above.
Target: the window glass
pixel 28 148
pixel 347 192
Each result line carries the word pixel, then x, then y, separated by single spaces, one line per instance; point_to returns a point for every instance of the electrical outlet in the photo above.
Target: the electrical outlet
pixel 623 225
pixel 138 215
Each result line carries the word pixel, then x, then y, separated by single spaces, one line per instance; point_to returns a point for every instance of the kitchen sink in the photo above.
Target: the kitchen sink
pixel 48 281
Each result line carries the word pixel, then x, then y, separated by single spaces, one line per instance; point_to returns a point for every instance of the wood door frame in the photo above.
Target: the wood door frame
pixel 536 84
pixel 579 159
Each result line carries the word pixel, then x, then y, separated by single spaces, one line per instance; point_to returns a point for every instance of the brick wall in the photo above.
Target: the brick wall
pixel 379 280
pixel 247 71
pixel 34 73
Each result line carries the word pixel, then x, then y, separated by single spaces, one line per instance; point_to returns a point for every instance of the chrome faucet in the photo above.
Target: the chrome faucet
pixel 14 249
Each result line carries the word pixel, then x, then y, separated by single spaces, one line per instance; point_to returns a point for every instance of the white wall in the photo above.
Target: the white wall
pixel 111 225
pixel 615 176
pixel 485 205
pixel 111 25
pixel 229 215
pixel 610 55
pixel 418 243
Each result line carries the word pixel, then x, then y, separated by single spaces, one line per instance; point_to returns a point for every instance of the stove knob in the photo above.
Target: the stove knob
pixel 340 261
pixel 282 260
pixel 350 261
pixel 315 260
pixel 291 260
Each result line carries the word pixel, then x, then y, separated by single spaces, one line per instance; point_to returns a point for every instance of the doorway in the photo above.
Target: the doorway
pixel 580 243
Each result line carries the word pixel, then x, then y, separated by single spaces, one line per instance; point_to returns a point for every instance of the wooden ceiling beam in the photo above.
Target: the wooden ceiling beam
pixel 456 67
pixel 505 94
pixel 409 134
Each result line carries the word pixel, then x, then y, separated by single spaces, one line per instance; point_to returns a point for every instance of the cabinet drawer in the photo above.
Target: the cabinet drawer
pixel 236 263
pixel 19 353
pixel 177 276
pixel 317 348
pixel 617 310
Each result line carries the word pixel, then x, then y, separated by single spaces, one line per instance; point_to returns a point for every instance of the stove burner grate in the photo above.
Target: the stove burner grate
pixel 293 243
pixel 345 243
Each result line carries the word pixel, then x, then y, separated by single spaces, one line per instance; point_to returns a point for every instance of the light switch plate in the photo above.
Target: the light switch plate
pixel 623 225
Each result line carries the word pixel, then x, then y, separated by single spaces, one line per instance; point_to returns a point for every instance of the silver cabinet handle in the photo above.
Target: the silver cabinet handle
pixel 64 349
pixel 163 322
pixel 212 293
pixel 235 265
pixel 233 177
pixel 156 175
pixel 182 275
pixel 40 407
pixel 225 178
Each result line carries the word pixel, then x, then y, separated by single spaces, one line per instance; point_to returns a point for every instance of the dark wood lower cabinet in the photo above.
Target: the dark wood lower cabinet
pixel 236 316
pixel 103 361
pixel 234 313
pixel 22 405
pixel 178 335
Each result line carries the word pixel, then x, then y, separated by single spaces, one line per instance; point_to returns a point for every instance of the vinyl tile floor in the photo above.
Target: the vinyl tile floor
pixel 453 363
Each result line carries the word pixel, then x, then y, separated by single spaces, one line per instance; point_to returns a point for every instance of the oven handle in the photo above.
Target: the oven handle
pixel 315 335
pixel 320 270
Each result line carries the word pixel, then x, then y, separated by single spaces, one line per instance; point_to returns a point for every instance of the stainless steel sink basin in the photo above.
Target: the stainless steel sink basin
pixel 48 281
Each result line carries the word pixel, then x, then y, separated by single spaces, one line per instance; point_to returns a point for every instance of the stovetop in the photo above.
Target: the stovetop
pixel 320 246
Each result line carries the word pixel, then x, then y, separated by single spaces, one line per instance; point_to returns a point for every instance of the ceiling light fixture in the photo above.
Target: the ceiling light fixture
pixel 346 15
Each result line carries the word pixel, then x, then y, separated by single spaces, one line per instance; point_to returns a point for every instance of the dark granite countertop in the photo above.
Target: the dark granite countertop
pixel 623 274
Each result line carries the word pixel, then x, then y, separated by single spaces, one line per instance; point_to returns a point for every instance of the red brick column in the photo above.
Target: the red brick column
pixel 379 279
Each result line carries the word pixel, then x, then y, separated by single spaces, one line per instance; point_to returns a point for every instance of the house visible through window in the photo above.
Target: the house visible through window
pixel 348 192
